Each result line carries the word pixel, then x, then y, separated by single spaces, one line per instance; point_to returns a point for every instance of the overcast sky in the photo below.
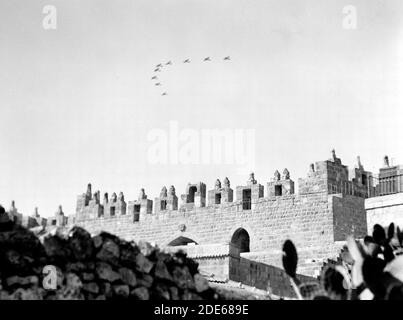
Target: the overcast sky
pixel 77 103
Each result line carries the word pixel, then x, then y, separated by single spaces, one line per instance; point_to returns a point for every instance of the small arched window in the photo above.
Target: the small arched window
pixel 192 191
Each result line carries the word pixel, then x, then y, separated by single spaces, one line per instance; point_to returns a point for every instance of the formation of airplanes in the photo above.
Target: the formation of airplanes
pixel 159 66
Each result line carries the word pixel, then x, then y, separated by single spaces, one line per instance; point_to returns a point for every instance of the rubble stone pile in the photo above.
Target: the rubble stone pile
pixel 92 268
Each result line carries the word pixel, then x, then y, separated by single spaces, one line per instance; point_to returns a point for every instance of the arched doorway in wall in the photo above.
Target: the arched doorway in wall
pixel 181 241
pixel 241 240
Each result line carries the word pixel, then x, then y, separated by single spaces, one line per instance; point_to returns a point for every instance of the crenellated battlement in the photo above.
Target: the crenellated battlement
pixel 332 177
pixel 328 206
pixel 35 220
pixel 219 194
pixel 166 201
pixel 327 177
pixel 194 196
pixel 140 207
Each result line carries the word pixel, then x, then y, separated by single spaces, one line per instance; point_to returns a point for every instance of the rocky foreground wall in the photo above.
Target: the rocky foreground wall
pixel 62 264
pixel 99 267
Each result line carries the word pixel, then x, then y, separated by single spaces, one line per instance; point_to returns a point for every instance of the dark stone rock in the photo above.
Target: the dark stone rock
pixel 97 241
pixel 174 293
pixel 87 276
pixel 91 287
pixel 73 282
pixel 105 272
pixel 141 293
pixel 22 281
pixel 4 218
pixel 189 295
pixel 201 283
pixel 121 290
pixel 76 267
pixel 109 252
pixel 128 277
pixel 57 248
pixel 128 253
pixel 161 271
pixel 26 294
pixel 145 280
pixel 106 289
pixel 143 264
pixel 161 292
pixel 145 248
pixel 80 243
pixel 183 278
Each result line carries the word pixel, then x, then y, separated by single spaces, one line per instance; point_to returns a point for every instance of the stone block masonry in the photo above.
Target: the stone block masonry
pixel 384 210
pixel 328 207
